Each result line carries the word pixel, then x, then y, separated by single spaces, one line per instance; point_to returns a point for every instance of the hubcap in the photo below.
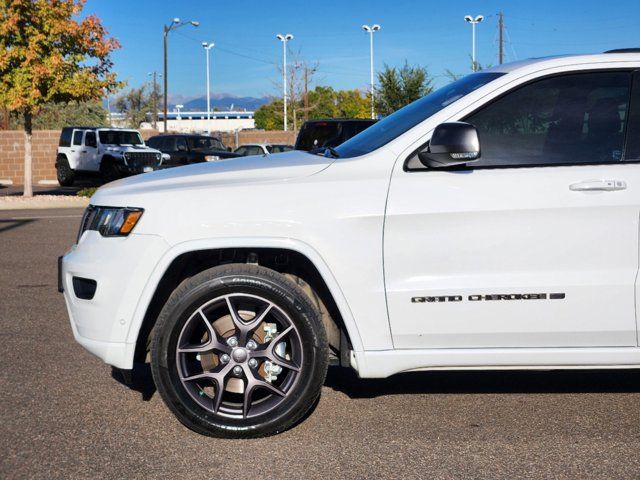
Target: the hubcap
pixel 227 351
pixel 240 355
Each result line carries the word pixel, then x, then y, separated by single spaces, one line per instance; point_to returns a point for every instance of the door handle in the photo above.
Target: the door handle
pixel 83 151
pixel 598 186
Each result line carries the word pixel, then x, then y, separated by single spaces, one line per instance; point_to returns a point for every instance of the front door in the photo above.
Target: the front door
pixel 534 245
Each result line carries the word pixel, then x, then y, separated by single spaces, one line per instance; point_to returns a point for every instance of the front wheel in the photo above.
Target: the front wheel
pixel 239 351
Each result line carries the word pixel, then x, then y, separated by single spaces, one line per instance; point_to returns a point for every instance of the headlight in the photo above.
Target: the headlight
pixel 211 158
pixel 110 221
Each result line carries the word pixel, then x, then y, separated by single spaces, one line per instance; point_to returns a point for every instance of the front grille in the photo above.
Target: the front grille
pixel 140 160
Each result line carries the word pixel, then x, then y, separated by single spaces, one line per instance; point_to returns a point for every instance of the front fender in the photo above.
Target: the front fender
pixel 244 242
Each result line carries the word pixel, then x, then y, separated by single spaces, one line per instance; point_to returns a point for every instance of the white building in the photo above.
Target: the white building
pixel 197 121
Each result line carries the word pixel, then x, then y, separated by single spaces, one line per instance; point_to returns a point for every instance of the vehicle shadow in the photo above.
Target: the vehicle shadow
pixel 493 381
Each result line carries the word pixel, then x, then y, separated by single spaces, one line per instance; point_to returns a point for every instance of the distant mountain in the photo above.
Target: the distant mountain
pixel 223 102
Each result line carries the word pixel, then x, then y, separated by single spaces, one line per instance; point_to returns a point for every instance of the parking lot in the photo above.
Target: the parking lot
pixel 64 414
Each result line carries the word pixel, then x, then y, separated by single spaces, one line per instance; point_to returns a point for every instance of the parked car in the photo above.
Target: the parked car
pixel 184 149
pixel 112 152
pixel 317 134
pixel 492 224
pixel 262 149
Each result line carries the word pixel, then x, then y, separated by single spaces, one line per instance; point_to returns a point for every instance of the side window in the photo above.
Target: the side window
pixel 77 137
pixel 90 140
pixel 569 119
pixel 181 144
pixel 632 150
pixel 255 151
pixel 65 137
pixel 152 142
pixel 241 151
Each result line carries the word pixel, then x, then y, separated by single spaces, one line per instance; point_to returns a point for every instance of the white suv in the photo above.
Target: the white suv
pixel 112 152
pixel 491 224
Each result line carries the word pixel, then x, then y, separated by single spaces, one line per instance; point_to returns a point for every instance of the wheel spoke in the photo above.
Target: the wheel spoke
pixel 254 383
pixel 245 329
pixel 212 344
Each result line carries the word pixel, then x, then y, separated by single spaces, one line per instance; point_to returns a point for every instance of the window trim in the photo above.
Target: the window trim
pixel 470 167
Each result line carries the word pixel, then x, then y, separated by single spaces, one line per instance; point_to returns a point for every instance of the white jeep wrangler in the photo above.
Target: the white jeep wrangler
pixel 112 152
pixel 492 224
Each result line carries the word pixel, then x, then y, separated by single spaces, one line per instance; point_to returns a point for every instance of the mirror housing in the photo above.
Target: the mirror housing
pixel 452 143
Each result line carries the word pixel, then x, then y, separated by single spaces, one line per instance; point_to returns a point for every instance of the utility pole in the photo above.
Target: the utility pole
pixel 306 93
pixel 154 98
pixel 500 38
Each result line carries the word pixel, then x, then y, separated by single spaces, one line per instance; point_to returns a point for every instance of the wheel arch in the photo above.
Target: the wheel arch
pixel 186 259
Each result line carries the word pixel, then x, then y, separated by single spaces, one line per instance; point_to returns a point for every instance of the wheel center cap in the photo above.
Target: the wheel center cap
pixel 240 354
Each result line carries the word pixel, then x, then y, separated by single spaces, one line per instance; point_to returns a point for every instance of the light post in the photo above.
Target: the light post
pixel 175 23
pixel 207 47
pixel 473 22
pixel 370 30
pixel 154 98
pixel 284 39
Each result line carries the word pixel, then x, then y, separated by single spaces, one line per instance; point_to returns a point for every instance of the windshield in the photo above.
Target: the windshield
pixel 205 143
pixel 120 137
pixel 391 127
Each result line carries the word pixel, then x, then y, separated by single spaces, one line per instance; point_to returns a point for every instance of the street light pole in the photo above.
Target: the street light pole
pixel 473 22
pixel 370 30
pixel 284 39
pixel 175 23
pixel 207 47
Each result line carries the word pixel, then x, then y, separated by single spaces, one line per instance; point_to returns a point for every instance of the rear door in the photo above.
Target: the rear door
pixel 536 244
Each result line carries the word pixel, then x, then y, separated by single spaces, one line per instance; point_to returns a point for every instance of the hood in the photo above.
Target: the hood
pixel 241 170
pixel 219 153
pixel 129 148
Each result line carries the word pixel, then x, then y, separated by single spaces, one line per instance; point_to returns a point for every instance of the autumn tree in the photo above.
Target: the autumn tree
pixel 49 55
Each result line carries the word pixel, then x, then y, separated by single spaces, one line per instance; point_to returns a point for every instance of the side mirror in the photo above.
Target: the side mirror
pixel 229 149
pixel 453 143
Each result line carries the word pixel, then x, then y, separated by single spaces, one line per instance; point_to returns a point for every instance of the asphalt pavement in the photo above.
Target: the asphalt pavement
pixel 63 414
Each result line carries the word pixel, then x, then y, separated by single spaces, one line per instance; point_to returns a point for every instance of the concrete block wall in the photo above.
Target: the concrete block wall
pixel 45 144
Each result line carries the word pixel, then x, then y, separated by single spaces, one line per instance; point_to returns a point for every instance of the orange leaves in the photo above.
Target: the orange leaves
pixel 47 55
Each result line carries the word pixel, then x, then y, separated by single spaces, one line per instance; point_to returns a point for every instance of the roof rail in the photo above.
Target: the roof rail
pixel 624 50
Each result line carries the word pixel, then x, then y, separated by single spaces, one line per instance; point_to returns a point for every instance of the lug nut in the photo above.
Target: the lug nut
pixel 224 358
pixel 232 341
pixel 251 345
pixel 237 370
pixel 253 363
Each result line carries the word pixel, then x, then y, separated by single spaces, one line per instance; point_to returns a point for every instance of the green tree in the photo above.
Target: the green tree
pixel 53 116
pixel 270 116
pixel 398 87
pixel 136 104
pixel 48 55
pixel 352 104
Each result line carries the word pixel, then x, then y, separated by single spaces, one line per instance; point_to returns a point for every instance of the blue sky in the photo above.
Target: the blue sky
pixel 427 33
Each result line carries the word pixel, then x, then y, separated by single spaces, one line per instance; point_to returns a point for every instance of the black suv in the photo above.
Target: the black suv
pixel 316 134
pixel 184 149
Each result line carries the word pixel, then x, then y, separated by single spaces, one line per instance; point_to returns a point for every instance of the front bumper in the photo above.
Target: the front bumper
pixel 121 268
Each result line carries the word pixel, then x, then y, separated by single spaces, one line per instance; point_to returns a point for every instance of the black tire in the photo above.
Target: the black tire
pixel 108 170
pixel 66 176
pixel 240 281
